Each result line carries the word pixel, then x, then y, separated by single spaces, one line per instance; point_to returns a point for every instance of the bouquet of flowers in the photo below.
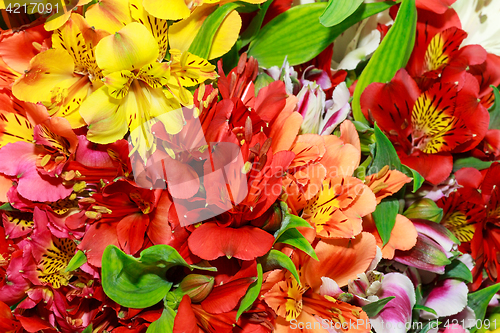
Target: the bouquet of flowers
pixel 185 166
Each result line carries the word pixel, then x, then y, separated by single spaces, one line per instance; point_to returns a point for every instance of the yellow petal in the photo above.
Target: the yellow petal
pixel 119 83
pixel 13 128
pixel 48 70
pixel 130 48
pixel 104 116
pixel 70 38
pixel 156 26
pixel 188 69
pixel 67 101
pixel 226 35
pixel 181 34
pixel 56 21
pixel 167 10
pixel 155 74
pixel 109 15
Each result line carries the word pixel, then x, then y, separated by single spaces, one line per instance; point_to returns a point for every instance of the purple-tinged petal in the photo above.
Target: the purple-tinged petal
pixel 329 287
pixel 447 298
pixel 426 255
pixel 337 109
pixel 397 313
pixel 437 232
pixel 467 317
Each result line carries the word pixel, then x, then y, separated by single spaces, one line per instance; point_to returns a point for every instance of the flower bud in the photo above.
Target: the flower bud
pixel 424 209
pixel 197 286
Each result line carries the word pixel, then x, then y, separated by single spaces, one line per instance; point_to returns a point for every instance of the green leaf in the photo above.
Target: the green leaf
pixel 470 162
pixel 88 329
pixel 478 301
pixel 385 217
pixel 425 308
pixel 139 283
pixel 276 259
pixel 289 221
pixel 457 270
pixel 7 207
pixel 385 154
pixel 78 260
pixel 392 54
pixel 374 308
pixel 294 238
pixel 202 43
pixel 418 180
pixel 252 293
pixel 249 34
pixel 165 324
pixel 298 35
pixel 495 110
pixel 337 11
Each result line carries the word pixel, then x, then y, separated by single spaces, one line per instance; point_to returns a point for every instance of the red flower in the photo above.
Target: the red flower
pixel 427 127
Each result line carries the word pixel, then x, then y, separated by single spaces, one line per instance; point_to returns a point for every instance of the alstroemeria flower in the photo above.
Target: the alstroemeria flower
pixel 301 306
pixel 427 127
pixel 132 96
pixel 62 77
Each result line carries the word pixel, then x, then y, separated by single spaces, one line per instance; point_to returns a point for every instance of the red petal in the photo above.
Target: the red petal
pixel 34 324
pixel 185 321
pixel 130 231
pixel 246 243
pixel 271 100
pixel 435 168
pixel 224 298
pixel 437 6
pixel 98 236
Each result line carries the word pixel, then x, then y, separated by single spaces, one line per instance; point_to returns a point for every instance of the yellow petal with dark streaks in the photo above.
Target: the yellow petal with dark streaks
pixel 130 48
pixel 189 69
pixel 226 35
pixel 155 74
pixel 109 15
pixel 48 70
pixel 105 118
pixel 13 128
pixel 119 83
pixel 156 26
pixel 167 10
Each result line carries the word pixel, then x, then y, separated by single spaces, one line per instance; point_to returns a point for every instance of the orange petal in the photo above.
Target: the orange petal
pixel 386 182
pixel 348 134
pixel 340 159
pixel 340 259
pixel 286 126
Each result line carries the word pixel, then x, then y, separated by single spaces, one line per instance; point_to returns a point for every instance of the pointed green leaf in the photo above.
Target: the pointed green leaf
pixel 294 238
pixel 457 270
pixel 385 154
pixel 374 308
pixel 418 180
pixel 392 54
pixel 495 110
pixel 78 260
pixel 337 11
pixel 289 221
pixel 7 207
pixel 165 324
pixel 471 162
pixel 139 283
pixel 249 34
pixel 276 259
pixel 202 43
pixel 478 301
pixel 252 293
pixel 425 308
pixel 298 35
pixel 88 329
pixel 385 217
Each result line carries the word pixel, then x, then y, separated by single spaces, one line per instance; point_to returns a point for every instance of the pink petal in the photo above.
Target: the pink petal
pixel 447 298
